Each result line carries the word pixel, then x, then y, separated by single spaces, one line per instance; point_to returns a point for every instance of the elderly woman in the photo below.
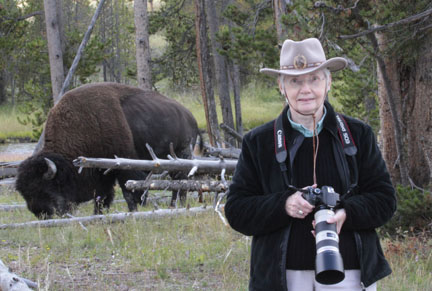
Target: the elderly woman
pixel 309 147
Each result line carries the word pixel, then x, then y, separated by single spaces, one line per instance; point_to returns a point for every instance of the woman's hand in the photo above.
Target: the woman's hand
pixel 296 206
pixel 339 218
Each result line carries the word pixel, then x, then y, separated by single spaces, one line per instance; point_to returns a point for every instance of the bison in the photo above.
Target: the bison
pixel 101 120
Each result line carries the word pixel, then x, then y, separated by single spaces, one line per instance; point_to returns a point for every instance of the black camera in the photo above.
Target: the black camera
pixel 329 268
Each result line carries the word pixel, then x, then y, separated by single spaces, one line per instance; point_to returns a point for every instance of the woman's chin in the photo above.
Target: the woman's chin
pixel 307 110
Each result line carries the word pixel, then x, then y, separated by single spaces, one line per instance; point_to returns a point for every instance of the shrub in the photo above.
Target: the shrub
pixel 414 212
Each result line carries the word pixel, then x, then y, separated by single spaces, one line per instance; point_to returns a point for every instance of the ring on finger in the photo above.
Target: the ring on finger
pixel 300 212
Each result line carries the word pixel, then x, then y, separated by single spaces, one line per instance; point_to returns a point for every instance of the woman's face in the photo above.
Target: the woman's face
pixel 306 93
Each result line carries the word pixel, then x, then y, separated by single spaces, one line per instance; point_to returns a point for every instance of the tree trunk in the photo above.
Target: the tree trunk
pixel 235 73
pixel 142 45
pixel 151 5
pixel 236 84
pixel 117 62
pixel 387 136
pixel 72 69
pixel 221 67
pixel 390 112
pixel 204 72
pixel 420 151
pixel 2 87
pixel 279 11
pixel 54 46
pixel 411 86
pixel 102 33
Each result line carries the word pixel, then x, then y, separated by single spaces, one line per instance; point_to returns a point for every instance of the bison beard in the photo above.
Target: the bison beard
pixel 101 120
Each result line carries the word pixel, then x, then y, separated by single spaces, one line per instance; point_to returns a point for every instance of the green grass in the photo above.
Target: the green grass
pixel 10 128
pixel 184 252
pixel 258 105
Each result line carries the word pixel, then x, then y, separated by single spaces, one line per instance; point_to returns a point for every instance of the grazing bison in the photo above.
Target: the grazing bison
pixel 101 120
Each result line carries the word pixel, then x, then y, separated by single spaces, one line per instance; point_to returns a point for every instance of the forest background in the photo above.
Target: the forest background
pixel 387 84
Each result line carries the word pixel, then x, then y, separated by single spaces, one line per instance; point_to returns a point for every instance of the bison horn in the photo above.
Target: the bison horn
pixel 52 170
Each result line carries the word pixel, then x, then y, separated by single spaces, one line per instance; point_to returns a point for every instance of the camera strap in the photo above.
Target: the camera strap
pixel 345 136
pixel 350 149
pixel 280 147
pixel 348 144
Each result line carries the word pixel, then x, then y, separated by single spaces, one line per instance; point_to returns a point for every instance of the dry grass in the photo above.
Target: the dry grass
pixel 189 252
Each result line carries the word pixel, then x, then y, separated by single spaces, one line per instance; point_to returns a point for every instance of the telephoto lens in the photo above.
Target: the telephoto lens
pixel 329 268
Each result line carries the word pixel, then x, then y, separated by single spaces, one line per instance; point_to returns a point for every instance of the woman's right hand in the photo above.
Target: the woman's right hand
pixel 296 206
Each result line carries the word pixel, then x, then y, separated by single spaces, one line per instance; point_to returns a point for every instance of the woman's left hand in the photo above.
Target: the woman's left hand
pixel 339 218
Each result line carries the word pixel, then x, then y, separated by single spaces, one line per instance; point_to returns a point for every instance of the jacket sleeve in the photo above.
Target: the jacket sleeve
pixel 375 201
pixel 248 209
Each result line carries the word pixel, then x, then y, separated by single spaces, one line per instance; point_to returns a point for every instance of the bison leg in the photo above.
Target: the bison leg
pixel 132 198
pixel 129 197
pixel 180 194
pixel 103 200
pixel 184 154
pixel 104 194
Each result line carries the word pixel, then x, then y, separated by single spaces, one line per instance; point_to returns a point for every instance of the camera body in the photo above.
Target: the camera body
pixel 325 197
pixel 329 268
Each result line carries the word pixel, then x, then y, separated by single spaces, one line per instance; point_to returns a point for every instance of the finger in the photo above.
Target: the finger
pixel 331 220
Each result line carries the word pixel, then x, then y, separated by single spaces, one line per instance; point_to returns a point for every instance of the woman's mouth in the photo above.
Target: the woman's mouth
pixel 305 99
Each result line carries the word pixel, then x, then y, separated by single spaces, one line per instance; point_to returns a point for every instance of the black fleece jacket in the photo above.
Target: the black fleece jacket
pixel 256 201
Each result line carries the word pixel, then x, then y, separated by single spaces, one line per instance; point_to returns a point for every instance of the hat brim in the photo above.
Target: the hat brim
pixel 333 64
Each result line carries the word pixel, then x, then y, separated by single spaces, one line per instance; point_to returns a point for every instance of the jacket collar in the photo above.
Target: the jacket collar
pixel 329 122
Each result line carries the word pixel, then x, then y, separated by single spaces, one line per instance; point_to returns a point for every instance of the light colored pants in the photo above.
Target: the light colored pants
pixel 305 281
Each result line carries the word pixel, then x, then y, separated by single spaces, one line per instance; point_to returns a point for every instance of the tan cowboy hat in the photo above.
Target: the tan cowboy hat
pixel 303 57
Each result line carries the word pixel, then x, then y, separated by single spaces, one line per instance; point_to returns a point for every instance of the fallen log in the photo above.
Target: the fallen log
pixel 8 169
pixel 108 218
pixel 11 282
pixel 175 185
pixel 230 153
pixel 159 165
pixel 7 181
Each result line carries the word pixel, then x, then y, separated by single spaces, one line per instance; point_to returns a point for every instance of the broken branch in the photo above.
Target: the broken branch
pixel 175 185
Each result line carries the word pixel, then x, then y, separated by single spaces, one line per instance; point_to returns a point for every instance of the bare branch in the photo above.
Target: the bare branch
pixel 389 25
pixel 24 17
pixel 231 132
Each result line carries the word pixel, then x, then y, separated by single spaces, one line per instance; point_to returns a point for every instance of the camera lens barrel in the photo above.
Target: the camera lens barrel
pixel 329 267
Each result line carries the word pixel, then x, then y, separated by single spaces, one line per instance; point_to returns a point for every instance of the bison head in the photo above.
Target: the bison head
pixel 46 182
